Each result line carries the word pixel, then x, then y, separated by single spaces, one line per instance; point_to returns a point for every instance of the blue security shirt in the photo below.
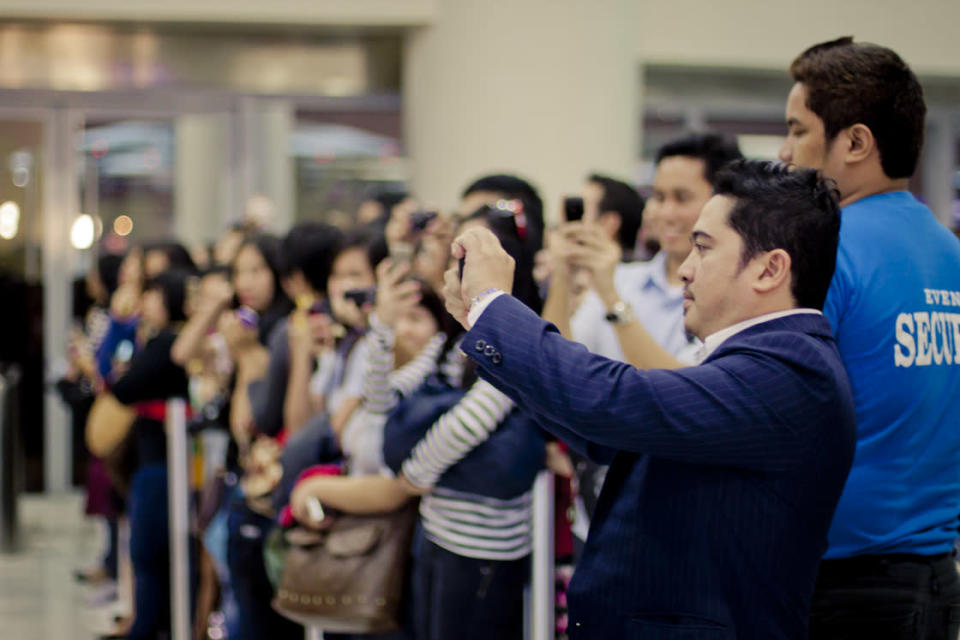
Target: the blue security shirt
pixel 894 304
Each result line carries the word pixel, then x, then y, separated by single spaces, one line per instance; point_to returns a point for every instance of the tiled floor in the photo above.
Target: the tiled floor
pixel 39 599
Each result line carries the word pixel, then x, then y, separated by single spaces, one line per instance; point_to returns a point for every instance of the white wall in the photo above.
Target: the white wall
pixel 770 33
pixel 306 12
pixel 548 88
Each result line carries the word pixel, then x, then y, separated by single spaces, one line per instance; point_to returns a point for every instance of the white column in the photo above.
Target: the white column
pixel 202 167
pixel 545 88
pixel 267 166
pixel 60 203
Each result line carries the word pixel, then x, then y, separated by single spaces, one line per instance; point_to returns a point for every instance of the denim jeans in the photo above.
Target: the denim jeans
pixel 246 533
pixel 893 597
pixel 150 552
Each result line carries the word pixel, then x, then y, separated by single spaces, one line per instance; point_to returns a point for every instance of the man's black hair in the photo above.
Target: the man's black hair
pixel 851 82
pixel 783 207
pixel 622 199
pixel 309 247
pixel 514 188
pixel 714 149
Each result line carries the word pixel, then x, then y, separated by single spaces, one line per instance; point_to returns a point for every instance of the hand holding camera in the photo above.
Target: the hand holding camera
pixel 395 293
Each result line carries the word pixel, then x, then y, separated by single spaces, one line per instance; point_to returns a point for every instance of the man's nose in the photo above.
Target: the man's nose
pixel 685 272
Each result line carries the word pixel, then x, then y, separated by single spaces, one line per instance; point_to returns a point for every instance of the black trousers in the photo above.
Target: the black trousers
pixel 891 597
pixel 460 598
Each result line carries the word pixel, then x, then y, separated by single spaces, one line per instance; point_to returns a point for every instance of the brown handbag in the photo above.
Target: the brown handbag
pixel 348 578
pixel 108 425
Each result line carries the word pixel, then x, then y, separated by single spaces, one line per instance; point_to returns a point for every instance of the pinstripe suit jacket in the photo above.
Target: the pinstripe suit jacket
pixel 724 476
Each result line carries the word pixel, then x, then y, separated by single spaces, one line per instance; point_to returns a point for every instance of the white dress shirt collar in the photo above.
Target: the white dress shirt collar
pixel 714 340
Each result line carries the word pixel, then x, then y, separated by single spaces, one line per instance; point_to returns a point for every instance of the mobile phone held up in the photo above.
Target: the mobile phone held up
pixel 361 297
pixel 420 219
pixel 573 208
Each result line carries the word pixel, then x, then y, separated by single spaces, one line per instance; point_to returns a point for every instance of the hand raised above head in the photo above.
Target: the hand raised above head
pixel 394 294
pixel 486 264
pixel 591 249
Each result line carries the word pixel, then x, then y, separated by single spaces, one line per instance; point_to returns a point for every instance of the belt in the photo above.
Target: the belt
pixel 880 564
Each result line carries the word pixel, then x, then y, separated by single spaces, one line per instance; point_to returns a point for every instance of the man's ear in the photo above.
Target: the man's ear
pixel 773 271
pixel 610 222
pixel 859 143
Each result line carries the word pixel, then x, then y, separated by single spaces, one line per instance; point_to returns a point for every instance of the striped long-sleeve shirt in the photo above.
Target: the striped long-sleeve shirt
pixel 362 437
pixel 383 384
pixel 467 524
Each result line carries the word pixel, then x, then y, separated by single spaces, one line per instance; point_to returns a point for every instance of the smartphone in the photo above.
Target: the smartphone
pixel 420 219
pixel 573 208
pixel 462 262
pixel 361 297
pixel 315 509
pixel 247 317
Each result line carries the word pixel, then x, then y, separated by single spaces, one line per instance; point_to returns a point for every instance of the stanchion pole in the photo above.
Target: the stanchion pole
pixel 10 460
pixel 542 625
pixel 178 498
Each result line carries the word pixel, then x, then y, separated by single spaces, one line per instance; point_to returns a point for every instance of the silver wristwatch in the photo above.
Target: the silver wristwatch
pixel 620 313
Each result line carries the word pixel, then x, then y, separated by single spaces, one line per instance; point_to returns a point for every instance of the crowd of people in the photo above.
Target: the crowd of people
pixel 701 369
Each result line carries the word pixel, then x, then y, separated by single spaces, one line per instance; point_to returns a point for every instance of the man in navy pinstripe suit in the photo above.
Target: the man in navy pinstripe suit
pixel 724 476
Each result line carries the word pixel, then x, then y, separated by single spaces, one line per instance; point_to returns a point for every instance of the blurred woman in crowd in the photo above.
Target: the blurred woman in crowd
pixel 151 379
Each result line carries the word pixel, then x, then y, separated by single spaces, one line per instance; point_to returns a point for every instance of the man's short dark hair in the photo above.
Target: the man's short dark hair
pixel 622 199
pixel 515 188
pixel 851 82
pixel 783 207
pixel 714 149
pixel 309 247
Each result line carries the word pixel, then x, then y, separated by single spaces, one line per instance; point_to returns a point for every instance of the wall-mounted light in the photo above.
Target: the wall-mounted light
pixel 82 232
pixel 9 220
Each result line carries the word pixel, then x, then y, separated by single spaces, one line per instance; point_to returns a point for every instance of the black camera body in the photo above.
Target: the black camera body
pixel 361 297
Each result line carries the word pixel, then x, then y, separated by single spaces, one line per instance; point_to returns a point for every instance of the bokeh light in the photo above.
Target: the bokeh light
pixel 123 225
pixel 9 220
pixel 82 232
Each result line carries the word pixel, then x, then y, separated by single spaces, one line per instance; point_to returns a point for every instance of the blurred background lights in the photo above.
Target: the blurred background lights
pixel 9 220
pixel 123 225
pixel 82 232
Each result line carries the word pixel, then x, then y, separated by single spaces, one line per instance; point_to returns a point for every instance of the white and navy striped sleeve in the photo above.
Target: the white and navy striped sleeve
pixel 456 433
pixel 382 385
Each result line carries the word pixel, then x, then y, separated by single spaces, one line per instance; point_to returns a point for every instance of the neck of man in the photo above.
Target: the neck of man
pixel 871 186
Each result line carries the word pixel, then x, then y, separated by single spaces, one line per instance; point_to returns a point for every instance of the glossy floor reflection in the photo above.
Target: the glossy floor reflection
pixel 39 599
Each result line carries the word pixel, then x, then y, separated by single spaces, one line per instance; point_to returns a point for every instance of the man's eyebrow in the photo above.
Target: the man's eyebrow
pixel 792 121
pixel 700 235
